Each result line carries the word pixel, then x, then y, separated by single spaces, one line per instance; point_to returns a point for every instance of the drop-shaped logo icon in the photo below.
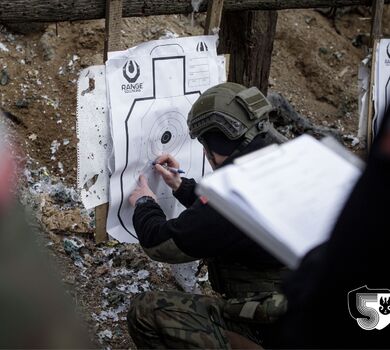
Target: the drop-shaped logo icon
pixel 131 71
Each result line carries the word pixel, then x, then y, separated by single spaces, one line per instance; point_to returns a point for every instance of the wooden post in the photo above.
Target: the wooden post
pixel 112 42
pixel 248 36
pixel 376 34
pixel 113 26
pixel 101 213
pixel 214 16
pixel 377 10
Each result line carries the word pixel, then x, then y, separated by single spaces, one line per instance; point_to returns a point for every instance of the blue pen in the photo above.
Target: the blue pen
pixel 172 170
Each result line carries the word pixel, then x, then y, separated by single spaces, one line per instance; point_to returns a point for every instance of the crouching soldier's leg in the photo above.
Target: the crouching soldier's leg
pixel 177 320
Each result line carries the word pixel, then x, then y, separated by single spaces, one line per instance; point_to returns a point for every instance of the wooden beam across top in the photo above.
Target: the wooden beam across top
pixel 70 10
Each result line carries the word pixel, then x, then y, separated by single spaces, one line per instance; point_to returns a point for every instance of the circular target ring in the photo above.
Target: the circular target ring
pixel 167 135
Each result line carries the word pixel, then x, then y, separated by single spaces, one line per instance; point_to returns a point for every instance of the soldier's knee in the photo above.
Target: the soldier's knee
pixel 138 306
pixel 140 319
pixel 141 311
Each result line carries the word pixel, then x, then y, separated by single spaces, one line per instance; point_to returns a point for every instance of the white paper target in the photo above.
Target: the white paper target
pixel 150 97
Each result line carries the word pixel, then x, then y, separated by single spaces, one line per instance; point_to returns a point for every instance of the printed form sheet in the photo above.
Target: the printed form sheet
pixel 302 210
pixel 151 89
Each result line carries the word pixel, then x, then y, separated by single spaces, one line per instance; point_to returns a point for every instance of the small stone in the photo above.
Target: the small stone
pixel 323 50
pixel 115 297
pixel 339 55
pixel 3 47
pixel 22 103
pixel 102 270
pixel 106 334
pixel 310 20
pixel 4 77
pixel 47 47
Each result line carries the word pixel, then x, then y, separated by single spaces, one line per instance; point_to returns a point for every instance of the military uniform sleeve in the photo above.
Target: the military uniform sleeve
pixel 198 232
pixel 185 194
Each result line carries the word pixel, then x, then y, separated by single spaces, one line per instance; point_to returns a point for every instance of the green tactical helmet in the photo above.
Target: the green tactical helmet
pixel 231 108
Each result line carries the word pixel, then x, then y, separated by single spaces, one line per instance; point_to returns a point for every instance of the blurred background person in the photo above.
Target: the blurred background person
pixel 35 313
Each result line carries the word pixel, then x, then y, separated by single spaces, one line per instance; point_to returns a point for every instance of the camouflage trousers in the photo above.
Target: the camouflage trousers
pixel 172 320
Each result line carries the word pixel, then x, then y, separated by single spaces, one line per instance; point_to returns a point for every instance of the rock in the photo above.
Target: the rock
pixel 361 39
pixel 310 20
pixel 104 335
pixel 90 39
pixel 46 45
pixel 71 246
pixel 184 275
pixel 21 103
pixel 154 29
pixel 323 50
pixel 86 61
pixel 4 77
pixel 115 297
pixel 65 221
pixel 338 55
pixel 101 270
pixel 3 47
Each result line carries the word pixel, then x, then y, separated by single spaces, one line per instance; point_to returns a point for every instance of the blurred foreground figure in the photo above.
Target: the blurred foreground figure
pixel 34 312
pixel 340 295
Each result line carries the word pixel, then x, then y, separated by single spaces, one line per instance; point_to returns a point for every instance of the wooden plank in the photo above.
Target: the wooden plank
pixel 113 26
pixel 112 42
pixel 101 213
pixel 214 16
pixel 70 10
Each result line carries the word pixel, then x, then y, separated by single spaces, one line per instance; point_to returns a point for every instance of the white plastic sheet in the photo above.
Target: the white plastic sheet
pixel 382 83
pixel 93 133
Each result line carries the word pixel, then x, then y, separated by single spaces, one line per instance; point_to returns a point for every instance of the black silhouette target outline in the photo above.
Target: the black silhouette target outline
pixel 167 135
pixel 153 97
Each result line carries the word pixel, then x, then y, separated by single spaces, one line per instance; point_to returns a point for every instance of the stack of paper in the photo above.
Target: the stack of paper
pixel 285 197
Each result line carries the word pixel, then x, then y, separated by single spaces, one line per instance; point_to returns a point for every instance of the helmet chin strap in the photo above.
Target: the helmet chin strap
pixel 209 155
pixel 212 160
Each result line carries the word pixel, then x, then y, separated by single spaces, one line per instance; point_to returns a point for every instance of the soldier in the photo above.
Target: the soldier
pixel 229 120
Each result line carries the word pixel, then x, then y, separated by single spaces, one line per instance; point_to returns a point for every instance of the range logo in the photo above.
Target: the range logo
pixel 202 46
pixel 131 72
pixel 370 307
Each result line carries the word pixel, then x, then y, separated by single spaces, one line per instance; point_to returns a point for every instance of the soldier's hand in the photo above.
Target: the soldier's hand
pixel 171 179
pixel 141 190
